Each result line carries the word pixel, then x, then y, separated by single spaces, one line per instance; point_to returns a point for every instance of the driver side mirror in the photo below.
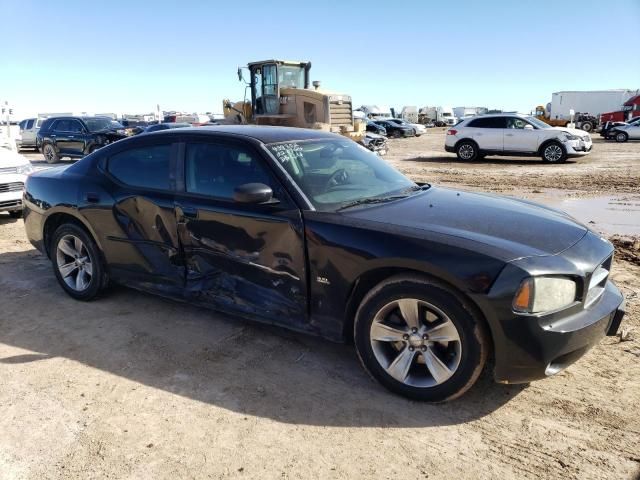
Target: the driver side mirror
pixel 253 193
pixel 528 126
pixel 240 76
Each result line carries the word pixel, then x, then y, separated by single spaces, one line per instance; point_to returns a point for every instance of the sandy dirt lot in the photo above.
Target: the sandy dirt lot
pixel 134 386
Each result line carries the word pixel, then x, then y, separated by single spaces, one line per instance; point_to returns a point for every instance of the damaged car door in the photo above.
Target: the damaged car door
pixel 241 255
pixel 140 230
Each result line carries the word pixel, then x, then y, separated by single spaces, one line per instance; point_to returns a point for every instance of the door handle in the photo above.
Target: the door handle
pixel 92 197
pixel 188 212
pixel 508 134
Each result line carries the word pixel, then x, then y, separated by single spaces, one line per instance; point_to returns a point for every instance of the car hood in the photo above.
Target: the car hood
pixel 573 131
pixel 512 228
pixel 9 158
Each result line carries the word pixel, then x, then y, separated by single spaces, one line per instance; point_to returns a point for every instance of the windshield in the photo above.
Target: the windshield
pixel 334 173
pixel 97 124
pixel 290 76
pixel 537 123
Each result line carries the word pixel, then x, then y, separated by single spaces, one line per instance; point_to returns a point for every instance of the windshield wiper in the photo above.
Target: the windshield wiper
pixel 365 201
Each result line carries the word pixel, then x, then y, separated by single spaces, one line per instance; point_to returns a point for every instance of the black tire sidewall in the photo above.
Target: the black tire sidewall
pixel 624 137
pixel 56 157
pixel 97 278
pixel 473 338
pixel 476 153
pixel 560 160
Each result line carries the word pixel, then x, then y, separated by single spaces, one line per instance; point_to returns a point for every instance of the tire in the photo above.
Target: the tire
pixel 621 137
pixel 467 151
pixel 587 126
pixel 408 362
pixel 553 152
pixel 71 260
pixel 15 214
pixel 50 154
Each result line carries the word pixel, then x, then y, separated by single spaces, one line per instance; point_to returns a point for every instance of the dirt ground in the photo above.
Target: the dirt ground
pixel 134 386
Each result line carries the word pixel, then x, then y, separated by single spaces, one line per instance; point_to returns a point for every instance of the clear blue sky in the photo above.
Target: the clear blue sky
pixel 126 56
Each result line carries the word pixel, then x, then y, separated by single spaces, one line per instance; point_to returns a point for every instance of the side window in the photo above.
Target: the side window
pixel 75 126
pixel 514 122
pixel 29 125
pixel 488 122
pixel 147 167
pixel 216 170
pixel 61 126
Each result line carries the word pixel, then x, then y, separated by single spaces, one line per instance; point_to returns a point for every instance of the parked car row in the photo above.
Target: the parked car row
pixel 395 128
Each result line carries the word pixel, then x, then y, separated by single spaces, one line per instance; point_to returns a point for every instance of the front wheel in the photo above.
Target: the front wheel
pixel 587 126
pixel 419 339
pixel 621 137
pixel 77 263
pixel 467 151
pixel 553 153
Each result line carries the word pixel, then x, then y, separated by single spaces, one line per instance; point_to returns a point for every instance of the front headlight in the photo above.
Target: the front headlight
pixel 568 136
pixel 544 294
pixel 25 169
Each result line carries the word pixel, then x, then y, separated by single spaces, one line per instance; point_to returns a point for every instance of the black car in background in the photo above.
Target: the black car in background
pixel 75 137
pixel 156 127
pixel 309 230
pixel 373 127
pixel 394 130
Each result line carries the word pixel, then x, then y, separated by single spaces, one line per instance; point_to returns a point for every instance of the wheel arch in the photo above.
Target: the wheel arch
pixel 467 139
pixel 370 279
pixel 54 220
pixel 548 141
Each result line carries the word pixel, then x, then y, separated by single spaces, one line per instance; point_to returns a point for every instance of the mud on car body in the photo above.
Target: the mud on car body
pixel 308 230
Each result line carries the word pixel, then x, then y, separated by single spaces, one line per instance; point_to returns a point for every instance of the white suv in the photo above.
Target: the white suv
pixel 515 135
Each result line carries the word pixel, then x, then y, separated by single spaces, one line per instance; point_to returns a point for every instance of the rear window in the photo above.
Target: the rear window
pixel 145 167
pixel 488 122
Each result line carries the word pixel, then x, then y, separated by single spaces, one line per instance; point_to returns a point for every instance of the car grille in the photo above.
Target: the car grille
pixel 11 187
pixel 9 170
pixel 341 115
pixel 597 282
pixel 10 203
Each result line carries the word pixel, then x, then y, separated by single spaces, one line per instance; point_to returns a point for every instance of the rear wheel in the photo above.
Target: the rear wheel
pixel 77 263
pixel 50 154
pixel 467 151
pixel 621 137
pixel 553 153
pixel 418 339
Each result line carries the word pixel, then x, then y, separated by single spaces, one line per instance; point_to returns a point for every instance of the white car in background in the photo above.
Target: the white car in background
pixel 515 135
pixel 14 169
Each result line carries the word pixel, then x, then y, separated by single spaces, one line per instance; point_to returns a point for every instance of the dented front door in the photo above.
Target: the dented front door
pixel 240 258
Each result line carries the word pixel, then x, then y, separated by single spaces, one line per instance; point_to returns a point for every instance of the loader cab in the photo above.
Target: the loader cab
pixel 268 77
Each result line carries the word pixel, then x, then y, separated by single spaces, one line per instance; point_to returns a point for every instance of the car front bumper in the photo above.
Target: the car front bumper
pixel 578 148
pixel 537 351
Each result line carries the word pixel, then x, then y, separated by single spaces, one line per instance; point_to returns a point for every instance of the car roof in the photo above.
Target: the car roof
pixel 262 133
pixel 489 115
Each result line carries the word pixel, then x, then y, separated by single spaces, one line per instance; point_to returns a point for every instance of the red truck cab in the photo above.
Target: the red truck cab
pixel 630 109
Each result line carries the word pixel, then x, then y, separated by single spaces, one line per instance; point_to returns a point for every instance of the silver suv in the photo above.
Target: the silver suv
pixel 28 132
pixel 515 135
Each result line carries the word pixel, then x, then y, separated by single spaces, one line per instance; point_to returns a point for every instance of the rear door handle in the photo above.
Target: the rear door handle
pixel 188 212
pixel 92 197
pixel 508 134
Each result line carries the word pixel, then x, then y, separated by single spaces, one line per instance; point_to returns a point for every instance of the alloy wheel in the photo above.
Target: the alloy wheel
pixel 553 153
pixel 466 152
pixel 74 263
pixel 49 154
pixel 416 343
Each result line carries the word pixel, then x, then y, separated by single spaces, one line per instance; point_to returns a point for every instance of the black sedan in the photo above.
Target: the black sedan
pixel 373 127
pixel 308 230
pixel 395 130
